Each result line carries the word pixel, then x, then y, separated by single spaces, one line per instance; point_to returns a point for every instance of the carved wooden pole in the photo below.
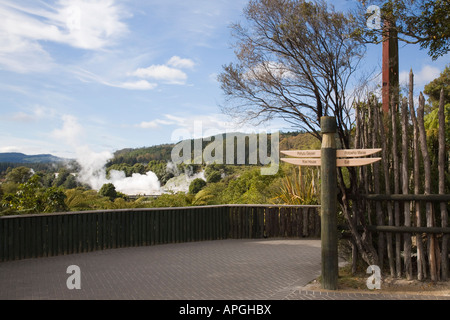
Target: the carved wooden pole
pixel 329 204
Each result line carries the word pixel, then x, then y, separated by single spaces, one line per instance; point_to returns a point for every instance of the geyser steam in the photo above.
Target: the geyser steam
pixel 93 169
pixel 93 173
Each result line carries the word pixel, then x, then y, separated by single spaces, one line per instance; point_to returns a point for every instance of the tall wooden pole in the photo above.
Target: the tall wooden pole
pixel 444 213
pixel 329 204
pixel 390 73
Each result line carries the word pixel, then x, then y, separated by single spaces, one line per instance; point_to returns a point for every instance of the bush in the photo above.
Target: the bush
pixel 215 176
pixel 108 190
pixel 196 185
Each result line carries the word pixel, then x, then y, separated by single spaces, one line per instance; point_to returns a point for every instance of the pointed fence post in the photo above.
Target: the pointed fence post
pixel 329 204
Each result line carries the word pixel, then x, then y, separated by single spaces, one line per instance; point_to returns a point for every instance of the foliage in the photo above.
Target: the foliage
pixel 423 22
pixel 196 185
pixel 108 190
pixel 250 187
pixel 295 59
pixel 215 176
pixel 31 197
pixel 202 198
pixel 142 155
pixel 19 175
pixel 431 119
pixel 171 200
pixel 433 89
pixel 79 199
pixel 225 184
pixel 161 170
pixel 299 187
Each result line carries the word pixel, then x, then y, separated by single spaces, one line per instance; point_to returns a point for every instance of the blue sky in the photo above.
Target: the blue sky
pixel 111 74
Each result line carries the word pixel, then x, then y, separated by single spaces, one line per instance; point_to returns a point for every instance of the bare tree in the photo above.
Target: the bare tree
pixel 296 61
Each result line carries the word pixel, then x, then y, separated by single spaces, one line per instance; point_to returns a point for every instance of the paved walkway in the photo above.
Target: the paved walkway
pixel 210 270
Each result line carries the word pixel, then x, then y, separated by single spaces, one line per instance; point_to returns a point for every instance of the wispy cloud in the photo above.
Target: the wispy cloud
pixel 197 126
pixel 137 85
pixel 153 124
pixel 88 76
pixel 162 73
pixel 84 24
pixel 169 73
pixel 178 62
pixel 33 114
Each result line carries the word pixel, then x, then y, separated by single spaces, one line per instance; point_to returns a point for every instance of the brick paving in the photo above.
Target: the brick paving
pixel 269 269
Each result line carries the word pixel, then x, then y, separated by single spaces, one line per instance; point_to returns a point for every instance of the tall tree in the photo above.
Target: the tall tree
pixel 423 22
pixel 296 60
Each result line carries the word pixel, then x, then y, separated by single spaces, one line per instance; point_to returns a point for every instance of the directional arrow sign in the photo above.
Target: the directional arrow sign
pixel 349 153
pixel 354 162
pixel 302 153
pixel 303 161
pixel 340 153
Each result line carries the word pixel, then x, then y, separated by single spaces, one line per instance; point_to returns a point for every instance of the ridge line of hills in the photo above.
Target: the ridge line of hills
pixel 162 152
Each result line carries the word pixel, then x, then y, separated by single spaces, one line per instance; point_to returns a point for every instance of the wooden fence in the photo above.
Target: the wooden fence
pixel 409 188
pixel 43 235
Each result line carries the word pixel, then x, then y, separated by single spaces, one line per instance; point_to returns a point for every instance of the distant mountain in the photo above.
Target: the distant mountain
pixel 16 157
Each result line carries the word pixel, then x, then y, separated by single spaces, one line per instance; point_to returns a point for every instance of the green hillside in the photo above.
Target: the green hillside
pixel 162 153
pixel 16 157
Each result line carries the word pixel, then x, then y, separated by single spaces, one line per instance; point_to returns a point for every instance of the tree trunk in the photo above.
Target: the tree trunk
pixel 405 190
pixel 429 207
pixel 421 263
pixel 376 174
pixel 443 205
pixel 385 161
pixel 398 261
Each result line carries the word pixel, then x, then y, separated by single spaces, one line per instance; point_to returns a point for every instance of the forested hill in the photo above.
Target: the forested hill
pixel 288 140
pixel 142 155
pixel 130 156
pixel 16 157
pixel 38 162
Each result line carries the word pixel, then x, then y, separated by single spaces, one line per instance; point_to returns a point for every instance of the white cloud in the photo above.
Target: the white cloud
pixel 178 62
pixel 162 73
pixel 153 124
pixel 138 85
pixel 424 76
pixel 87 76
pixel 70 132
pixel 90 25
pixel 34 113
pixel 22 55
pixel 170 72
pixel 179 120
pixel 29 146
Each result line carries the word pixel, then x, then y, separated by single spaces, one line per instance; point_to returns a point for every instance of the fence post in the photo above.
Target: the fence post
pixel 329 204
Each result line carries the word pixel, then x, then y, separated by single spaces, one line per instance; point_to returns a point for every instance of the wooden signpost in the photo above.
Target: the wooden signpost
pixel 328 158
pixel 339 162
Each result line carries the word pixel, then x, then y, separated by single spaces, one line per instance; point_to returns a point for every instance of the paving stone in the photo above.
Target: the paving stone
pixel 268 269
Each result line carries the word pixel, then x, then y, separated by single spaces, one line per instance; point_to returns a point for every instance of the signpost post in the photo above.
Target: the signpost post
pixel 328 203
pixel 328 158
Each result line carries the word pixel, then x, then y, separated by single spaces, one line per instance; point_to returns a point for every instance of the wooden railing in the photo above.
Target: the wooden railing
pixel 43 235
